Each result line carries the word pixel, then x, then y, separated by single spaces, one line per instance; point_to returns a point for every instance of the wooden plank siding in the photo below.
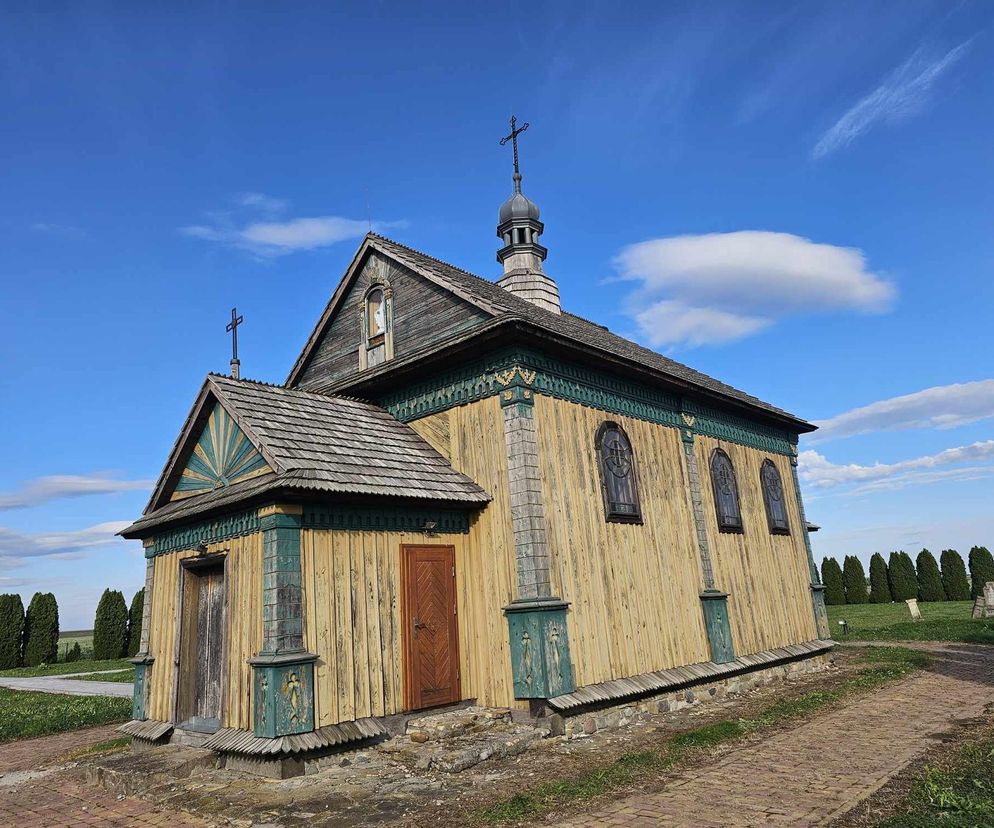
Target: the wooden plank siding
pixel 352 589
pixel 766 575
pixel 423 313
pixel 633 589
pixel 243 629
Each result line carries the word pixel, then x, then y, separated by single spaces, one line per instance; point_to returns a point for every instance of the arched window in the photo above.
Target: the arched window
pixel 774 498
pixel 377 333
pixel 726 492
pixel 619 478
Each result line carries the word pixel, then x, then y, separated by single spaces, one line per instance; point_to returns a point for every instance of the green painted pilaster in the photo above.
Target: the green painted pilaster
pixel 540 656
pixel 143 660
pixel 284 694
pixel 283 672
pixel 714 602
pixel 817 588
pixel 139 700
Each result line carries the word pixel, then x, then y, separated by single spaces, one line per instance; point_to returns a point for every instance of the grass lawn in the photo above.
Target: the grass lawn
pixel 68 667
pixel 958 792
pixel 882 664
pixel 24 715
pixel 941 621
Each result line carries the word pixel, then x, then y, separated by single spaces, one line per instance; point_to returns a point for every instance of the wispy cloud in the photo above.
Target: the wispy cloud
pixel 55 487
pixel 971 462
pixel 257 223
pixel 721 287
pixel 65 231
pixel 942 406
pixel 16 548
pixel 905 92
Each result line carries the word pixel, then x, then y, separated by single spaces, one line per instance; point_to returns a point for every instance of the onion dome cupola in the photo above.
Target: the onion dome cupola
pixel 518 227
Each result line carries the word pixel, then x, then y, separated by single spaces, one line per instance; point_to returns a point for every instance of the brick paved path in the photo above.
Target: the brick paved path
pixel 52 801
pixel 817 771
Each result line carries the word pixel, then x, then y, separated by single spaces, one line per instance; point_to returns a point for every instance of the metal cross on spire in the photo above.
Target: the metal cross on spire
pixel 232 328
pixel 513 138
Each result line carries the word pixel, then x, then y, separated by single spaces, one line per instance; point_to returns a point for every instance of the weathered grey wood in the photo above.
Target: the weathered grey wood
pixel 423 313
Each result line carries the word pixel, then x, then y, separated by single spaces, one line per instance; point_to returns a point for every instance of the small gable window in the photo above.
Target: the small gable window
pixel 726 492
pixel 774 498
pixel 619 479
pixel 377 325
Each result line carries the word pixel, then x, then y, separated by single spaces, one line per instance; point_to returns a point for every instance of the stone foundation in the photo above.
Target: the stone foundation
pixel 586 723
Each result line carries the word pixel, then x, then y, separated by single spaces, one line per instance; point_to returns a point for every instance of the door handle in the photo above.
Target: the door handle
pixel 418 625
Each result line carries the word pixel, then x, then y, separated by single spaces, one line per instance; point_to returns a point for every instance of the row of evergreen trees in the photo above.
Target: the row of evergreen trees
pixel 900 578
pixel 31 638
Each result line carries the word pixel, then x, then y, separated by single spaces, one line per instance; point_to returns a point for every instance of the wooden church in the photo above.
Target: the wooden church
pixel 462 492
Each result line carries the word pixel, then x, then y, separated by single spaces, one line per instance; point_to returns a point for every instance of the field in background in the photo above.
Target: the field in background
pixel 82 637
pixel 941 621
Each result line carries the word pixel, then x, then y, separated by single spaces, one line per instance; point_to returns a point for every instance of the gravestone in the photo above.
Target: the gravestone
pixel 979 607
pixel 916 614
pixel 989 599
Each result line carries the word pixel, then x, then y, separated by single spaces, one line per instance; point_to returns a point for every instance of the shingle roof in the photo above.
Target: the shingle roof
pixel 495 300
pixel 314 442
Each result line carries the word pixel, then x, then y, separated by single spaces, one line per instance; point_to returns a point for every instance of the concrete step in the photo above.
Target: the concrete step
pixel 132 774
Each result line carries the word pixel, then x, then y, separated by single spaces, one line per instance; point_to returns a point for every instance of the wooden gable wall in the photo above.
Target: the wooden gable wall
pixel 423 313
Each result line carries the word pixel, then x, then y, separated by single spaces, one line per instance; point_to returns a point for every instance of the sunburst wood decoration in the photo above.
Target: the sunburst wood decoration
pixel 223 455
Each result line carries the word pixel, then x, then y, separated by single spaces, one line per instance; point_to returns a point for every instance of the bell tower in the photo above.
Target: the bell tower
pixel 518 227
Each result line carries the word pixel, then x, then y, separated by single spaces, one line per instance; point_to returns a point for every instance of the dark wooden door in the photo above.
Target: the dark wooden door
pixel 431 635
pixel 210 644
pixel 200 661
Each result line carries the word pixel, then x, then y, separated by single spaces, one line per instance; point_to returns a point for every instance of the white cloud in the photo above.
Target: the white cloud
pixel 942 406
pixel 903 93
pixel 54 487
pixel 816 471
pixel 720 287
pixel 256 224
pixel 304 233
pixel 16 547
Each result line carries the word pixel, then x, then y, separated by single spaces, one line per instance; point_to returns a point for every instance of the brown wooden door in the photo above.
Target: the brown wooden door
pixel 431 636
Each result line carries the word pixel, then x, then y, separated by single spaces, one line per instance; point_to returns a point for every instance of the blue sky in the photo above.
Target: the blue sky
pixel 796 198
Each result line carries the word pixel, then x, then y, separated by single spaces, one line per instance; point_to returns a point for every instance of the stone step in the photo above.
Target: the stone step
pixel 465 752
pixel 132 774
pixel 454 723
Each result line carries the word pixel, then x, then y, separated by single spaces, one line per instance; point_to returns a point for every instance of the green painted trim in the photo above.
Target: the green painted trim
pixel 583 385
pixel 283 697
pixel 208 531
pixel 717 625
pixel 541 665
pixel 397 519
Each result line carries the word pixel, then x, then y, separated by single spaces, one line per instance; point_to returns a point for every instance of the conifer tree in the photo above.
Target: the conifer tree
pixel 831 577
pixel 879 585
pixel 135 621
pixel 11 631
pixel 902 576
pixel 929 578
pixel 110 630
pixel 854 577
pixel 954 580
pixel 41 630
pixel 981 569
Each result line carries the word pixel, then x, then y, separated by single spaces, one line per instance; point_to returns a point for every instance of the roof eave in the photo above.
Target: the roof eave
pixel 527 332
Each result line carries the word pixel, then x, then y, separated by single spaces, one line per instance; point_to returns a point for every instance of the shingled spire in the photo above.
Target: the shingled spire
pixel 518 227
